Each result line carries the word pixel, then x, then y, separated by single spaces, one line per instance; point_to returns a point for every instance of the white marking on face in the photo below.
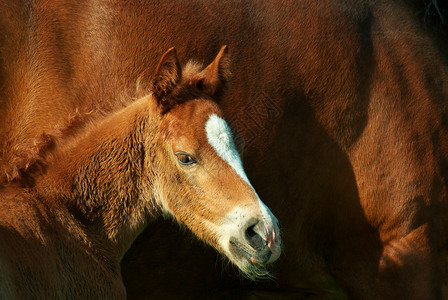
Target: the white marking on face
pixel 220 138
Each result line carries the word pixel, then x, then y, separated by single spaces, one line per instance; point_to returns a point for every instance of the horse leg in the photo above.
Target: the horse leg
pixel 411 268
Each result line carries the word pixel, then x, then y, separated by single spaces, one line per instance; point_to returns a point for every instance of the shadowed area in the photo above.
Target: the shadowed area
pixel 342 106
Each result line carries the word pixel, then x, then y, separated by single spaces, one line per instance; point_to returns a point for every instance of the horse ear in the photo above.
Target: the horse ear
pixel 213 79
pixel 168 74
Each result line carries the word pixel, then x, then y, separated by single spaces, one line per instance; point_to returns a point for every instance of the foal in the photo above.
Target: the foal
pixel 169 152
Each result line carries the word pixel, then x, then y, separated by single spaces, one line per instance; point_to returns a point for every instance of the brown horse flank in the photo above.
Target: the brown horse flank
pixel 64 234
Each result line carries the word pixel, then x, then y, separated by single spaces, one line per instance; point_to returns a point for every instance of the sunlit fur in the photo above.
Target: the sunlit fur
pixel 99 186
pixel 342 106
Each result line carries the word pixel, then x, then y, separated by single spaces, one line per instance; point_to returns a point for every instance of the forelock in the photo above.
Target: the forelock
pixel 191 70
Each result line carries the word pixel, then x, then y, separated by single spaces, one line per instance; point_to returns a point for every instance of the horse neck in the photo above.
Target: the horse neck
pixel 101 178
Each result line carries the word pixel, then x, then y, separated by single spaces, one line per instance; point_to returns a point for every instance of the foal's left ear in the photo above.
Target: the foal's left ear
pixel 167 76
pixel 213 79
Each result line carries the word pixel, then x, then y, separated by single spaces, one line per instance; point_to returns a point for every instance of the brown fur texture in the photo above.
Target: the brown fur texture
pixel 32 158
pixel 343 107
pixel 164 81
pixel 76 203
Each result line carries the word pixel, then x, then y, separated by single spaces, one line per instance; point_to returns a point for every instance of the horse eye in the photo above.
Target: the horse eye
pixel 185 159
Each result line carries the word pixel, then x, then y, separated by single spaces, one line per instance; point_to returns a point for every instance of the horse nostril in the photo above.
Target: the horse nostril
pixel 254 239
pixel 250 232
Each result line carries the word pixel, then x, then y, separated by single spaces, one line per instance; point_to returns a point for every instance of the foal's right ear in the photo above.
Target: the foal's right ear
pixel 168 74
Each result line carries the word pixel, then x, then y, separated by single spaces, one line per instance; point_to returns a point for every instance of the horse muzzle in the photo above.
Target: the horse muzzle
pixel 260 244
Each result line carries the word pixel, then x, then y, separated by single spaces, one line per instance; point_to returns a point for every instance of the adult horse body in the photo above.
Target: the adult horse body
pixel 342 105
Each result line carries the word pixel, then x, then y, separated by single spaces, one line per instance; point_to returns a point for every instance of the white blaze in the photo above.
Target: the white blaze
pixel 220 138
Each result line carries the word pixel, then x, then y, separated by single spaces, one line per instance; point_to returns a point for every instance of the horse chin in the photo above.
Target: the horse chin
pixel 253 270
pixel 253 265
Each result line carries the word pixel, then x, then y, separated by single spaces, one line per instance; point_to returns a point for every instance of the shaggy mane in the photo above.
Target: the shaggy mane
pixel 31 158
pixel 191 70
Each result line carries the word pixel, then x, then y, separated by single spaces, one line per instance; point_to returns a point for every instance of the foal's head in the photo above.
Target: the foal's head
pixel 199 177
